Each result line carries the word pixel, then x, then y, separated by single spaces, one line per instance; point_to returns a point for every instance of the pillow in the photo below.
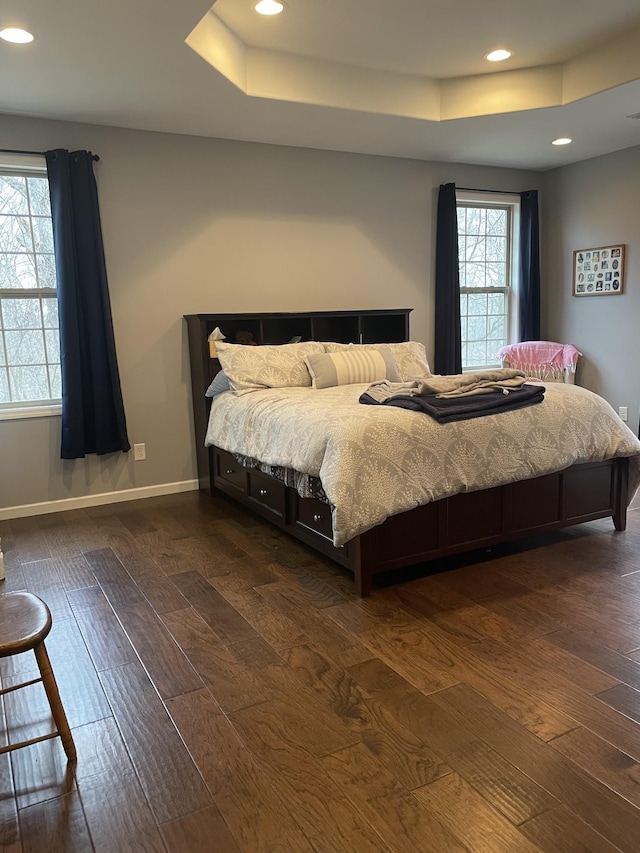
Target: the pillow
pixel 255 368
pixel 219 385
pixel 352 366
pixel 410 356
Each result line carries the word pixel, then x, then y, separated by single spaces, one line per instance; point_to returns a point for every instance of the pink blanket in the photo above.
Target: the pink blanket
pixel 540 357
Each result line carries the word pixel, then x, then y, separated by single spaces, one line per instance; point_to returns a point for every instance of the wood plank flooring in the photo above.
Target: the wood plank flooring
pixel 228 692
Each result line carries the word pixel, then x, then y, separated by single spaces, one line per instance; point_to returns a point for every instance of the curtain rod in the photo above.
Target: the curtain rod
pixel 476 190
pixel 34 153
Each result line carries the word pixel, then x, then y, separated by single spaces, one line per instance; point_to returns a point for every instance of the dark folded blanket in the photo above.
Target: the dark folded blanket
pixel 447 409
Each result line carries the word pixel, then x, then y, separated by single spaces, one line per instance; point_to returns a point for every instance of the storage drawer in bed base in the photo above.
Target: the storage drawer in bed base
pixel 308 519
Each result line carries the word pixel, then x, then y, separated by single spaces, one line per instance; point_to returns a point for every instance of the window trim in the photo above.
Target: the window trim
pixel 512 202
pixel 25 165
pixel 31 411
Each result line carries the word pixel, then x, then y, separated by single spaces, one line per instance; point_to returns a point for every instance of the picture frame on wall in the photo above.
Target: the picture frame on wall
pixel 598 271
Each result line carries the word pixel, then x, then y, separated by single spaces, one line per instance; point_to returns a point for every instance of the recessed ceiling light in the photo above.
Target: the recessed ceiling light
pixel 562 140
pixel 15 35
pixel 269 7
pixel 498 55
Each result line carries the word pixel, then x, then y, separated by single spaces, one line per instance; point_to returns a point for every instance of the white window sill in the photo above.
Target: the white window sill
pixel 496 366
pixel 25 412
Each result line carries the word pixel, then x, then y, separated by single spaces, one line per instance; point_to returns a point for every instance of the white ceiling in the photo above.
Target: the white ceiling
pixel 404 78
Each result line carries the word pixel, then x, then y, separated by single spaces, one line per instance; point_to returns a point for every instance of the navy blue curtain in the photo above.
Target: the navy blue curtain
pixel 529 302
pixel 93 419
pixel 448 345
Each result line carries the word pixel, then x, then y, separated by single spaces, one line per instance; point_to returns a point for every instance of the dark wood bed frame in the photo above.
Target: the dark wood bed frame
pixel 453 525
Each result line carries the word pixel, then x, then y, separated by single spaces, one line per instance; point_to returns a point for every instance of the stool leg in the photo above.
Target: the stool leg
pixel 51 688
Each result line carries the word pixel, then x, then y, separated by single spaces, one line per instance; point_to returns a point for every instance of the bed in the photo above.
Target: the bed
pixel 378 488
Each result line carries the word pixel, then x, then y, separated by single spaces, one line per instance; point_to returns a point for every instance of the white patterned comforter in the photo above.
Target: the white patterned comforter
pixel 377 461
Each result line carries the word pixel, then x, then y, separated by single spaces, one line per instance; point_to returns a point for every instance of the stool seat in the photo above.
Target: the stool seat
pixel 25 621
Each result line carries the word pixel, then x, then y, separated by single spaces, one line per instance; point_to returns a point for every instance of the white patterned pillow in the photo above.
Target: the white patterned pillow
pixel 350 367
pixel 410 356
pixel 255 368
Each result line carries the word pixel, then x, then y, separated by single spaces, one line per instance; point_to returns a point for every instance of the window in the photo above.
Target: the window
pixel 487 230
pixel 29 337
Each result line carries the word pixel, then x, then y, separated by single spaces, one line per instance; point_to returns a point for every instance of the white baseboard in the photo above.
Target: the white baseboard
pixel 97 500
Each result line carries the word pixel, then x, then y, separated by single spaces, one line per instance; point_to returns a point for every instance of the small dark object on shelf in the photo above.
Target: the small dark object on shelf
pixel 245 337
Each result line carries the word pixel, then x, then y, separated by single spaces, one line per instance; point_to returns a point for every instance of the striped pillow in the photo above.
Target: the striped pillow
pixel 351 367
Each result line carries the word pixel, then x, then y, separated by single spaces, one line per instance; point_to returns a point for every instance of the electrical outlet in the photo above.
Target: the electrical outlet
pixel 139 452
pixel 623 411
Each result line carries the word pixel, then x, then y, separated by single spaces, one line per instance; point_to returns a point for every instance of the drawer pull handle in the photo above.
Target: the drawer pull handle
pixel 229 471
pixel 263 493
pixel 317 518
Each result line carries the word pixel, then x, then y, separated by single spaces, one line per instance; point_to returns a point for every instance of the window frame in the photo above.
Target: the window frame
pixel 27 165
pixel 511 203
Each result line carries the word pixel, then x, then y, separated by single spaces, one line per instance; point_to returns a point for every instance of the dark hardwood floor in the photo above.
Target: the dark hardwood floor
pixel 228 692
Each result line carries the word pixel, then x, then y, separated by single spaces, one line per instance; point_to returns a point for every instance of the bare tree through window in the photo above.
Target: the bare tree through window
pixel 29 337
pixel 484 240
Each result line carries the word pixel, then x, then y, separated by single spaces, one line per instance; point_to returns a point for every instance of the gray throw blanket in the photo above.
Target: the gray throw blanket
pixel 456 385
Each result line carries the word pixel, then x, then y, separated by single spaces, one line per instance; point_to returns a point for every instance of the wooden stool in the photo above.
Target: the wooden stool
pixel 25 621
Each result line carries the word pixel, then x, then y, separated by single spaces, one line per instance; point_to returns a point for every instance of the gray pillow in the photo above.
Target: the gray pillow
pixel 219 385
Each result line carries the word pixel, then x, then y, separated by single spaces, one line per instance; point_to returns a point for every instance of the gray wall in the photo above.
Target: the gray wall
pixel 590 204
pixel 194 225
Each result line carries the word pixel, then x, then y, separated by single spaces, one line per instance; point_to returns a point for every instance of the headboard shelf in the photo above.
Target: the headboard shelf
pixel 375 326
